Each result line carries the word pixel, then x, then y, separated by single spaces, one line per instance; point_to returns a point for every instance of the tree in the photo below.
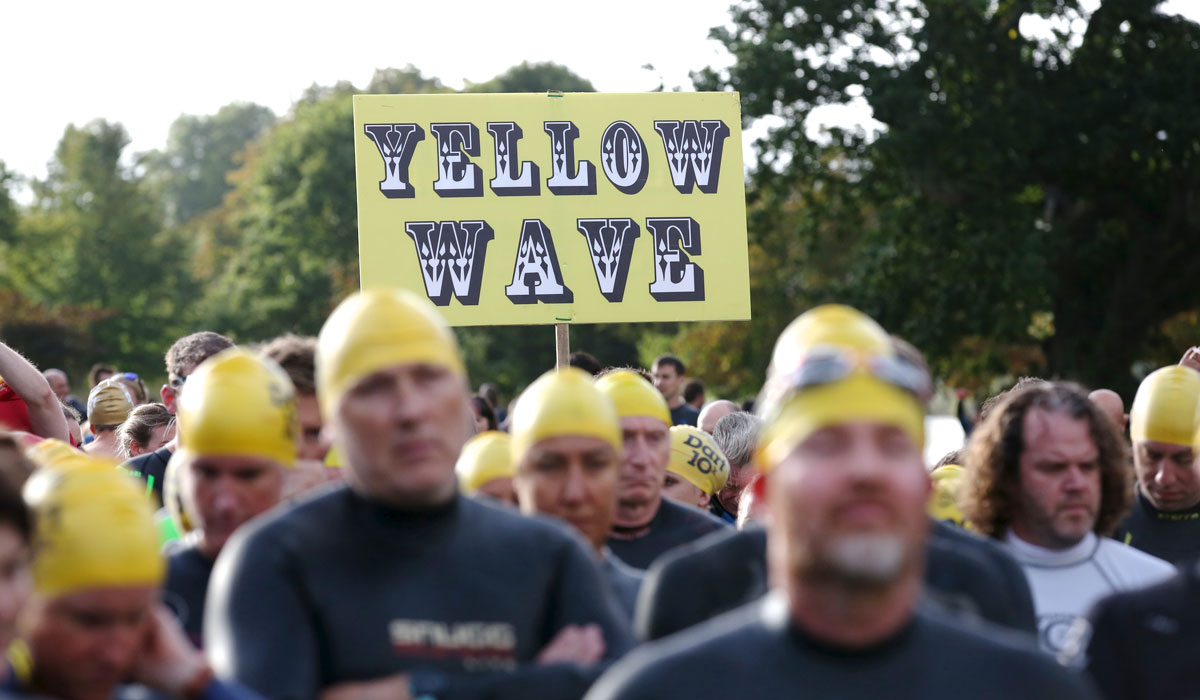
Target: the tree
pixel 91 257
pixel 1030 200
pixel 534 77
pixel 201 150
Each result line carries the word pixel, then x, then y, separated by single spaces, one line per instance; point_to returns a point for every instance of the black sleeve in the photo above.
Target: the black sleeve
pixel 1108 652
pixel 1020 597
pixel 665 604
pixel 580 598
pixel 258 628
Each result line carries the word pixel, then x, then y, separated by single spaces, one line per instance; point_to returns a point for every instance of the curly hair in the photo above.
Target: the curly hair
pixel 993 457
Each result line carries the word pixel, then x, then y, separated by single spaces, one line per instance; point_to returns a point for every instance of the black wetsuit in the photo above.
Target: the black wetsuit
pixel 966 574
pixel 684 415
pixel 673 525
pixel 717 509
pixel 152 468
pixel 187 585
pixel 756 652
pixel 1173 537
pixel 624 581
pixel 339 589
pixel 1144 644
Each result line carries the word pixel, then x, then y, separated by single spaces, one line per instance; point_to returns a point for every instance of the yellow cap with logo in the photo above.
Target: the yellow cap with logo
pixel 1164 408
pixel 696 457
pixel 943 501
pixel 109 403
pixel 95 528
pixel 376 329
pixel 484 457
pixel 562 403
pixel 833 365
pixel 633 396
pixel 238 404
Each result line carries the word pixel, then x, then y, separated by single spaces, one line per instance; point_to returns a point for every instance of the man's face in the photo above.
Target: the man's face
pixel 572 477
pixel 84 644
pixel 1167 474
pixel 15 581
pixel 401 430
pixel 222 493
pixel 667 381
pixel 646 454
pixel 171 390
pixel 312 446
pixel 681 490
pixel 59 384
pixel 1058 490
pixel 848 504
pixel 730 495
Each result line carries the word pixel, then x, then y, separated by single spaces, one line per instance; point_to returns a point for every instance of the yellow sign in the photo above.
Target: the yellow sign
pixel 539 209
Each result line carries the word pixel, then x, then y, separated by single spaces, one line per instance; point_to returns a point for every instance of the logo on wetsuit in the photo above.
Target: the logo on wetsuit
pixel 479 646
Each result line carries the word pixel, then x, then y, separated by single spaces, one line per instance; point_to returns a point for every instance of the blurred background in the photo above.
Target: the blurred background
pixel 1011 185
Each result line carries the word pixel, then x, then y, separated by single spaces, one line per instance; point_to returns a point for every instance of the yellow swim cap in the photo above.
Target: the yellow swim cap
pixel 696 457
pixel 333 458
pixel 943 502
pixel 869 383
pixel 109 403
pixel 484 457
pixel 633 396
pixel 95 529
pixel 563 403
pixel 1164 409
pixel 238 404
pixel 53 453
pixel 376 329
pixel 830 324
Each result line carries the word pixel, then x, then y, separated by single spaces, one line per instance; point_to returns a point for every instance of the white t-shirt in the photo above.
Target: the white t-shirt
pixel 1066 583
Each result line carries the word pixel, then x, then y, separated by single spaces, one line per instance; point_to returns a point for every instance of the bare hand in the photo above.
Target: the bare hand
pixel 1191 358
pixel 390 688
pixel 168 662
pixel 574 644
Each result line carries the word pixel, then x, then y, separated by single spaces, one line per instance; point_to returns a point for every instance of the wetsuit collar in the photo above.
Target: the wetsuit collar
pixel 776 616
pixel 1028 553
pixel 1145 504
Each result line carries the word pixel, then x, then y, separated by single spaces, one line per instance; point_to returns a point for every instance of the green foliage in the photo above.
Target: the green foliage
pixel 201 150
pixel 534 77
pixel 94 274
pixel 1016 180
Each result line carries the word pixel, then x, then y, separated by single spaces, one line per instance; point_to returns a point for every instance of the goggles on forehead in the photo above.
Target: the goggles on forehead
pixel 827 364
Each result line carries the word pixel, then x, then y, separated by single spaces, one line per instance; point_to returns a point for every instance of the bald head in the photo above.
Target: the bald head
pixel 1110 403
pixel 714 412
pixel 58 382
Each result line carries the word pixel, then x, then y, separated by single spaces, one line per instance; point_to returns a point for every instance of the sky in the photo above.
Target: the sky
pixel 143 63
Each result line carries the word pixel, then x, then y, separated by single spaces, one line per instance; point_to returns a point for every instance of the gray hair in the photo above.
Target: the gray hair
pixel 737 435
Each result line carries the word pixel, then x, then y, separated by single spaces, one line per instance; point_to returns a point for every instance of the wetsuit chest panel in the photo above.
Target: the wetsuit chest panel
pixel 465 591
pixel 673 525
pixel 928 660
pixel 1174 537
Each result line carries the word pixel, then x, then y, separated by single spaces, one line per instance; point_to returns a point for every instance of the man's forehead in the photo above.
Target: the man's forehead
pixel 1056 433
pixel 1163 448
pixel 231 462
pixel 566 446
pixel 643 424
